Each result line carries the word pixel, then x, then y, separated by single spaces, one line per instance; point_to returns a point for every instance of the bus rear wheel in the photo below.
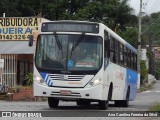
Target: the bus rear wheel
pixel 103 105
pixel 52 102
pixel 123 103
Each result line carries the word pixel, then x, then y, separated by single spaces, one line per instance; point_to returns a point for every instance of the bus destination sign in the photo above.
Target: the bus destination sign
pixel 70 27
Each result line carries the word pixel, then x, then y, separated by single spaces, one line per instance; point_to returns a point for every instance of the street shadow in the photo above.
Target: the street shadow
pixel 92 106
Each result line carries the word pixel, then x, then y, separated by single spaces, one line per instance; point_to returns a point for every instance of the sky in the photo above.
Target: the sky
pixel 149 6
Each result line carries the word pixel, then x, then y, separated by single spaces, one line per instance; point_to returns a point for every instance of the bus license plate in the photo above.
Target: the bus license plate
pixel 65 92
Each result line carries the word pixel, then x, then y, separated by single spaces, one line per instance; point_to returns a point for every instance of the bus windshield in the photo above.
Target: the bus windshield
pixel 69 52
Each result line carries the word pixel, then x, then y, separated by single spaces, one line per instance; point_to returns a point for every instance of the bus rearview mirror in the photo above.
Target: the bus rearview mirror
pixel 30 41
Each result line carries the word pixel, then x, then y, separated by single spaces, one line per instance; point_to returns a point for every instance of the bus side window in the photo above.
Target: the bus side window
pixel 106 44
pixel 107 48
pixel 117 55
pixel 112 50
pixel 135 64
pixel 132 60
pixel 129 58
pixel 112 57
pixel 125 56
pixel 121 54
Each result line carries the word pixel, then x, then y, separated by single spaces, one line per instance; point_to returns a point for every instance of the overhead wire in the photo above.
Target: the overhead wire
pixel 151 24
pixel 155 5
pixel 147 14
pixel 137 23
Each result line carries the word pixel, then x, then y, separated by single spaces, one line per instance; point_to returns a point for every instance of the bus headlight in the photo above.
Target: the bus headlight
pixel 38 79
pixel 94 82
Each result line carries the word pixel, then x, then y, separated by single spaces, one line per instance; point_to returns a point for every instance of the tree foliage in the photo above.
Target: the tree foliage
pixel 131 36
pixel 157 69
pixel 116 14
pixel 143 72
pixel 150 24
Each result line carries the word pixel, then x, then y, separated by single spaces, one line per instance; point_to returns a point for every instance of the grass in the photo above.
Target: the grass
pixel 145 87
pixel 155 107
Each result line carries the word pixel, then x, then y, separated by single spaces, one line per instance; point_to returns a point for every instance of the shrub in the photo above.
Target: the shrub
pixel 157 69
pixel 29 79
pixel 143 72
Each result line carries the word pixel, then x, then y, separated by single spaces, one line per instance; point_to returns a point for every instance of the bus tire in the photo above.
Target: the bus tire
pixel 110 92
pixel 79 102
pixel 118 103
pixel 87 103
pixel 83 102
pixel 125 103
pixel 103 105
pixel 52 102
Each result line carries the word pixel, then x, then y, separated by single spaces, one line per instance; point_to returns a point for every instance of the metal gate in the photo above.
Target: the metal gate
pixel 9 75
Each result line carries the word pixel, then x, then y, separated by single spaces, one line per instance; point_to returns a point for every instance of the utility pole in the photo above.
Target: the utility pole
pixel 139 43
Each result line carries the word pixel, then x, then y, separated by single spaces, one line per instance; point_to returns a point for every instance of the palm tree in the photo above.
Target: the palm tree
pixel 123 16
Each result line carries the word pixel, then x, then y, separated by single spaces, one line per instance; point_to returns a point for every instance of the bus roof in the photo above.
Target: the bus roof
pixel 112 33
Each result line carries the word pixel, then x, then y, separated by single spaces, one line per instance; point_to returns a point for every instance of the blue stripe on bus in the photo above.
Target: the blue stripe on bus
pixel 43 75
pixel 48 82
pixel 46 78
pixel 131 80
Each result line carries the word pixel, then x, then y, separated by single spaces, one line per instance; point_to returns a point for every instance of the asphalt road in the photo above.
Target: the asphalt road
pixel 142 103
pixel 147 98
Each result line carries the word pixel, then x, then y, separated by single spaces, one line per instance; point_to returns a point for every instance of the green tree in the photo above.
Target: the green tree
pixel 113 13
pixel 131 36
pixel 9 8
pixel 123 16
pixel 151 23
pixel 92 12
pixel 143 72
pixel 28 7
pixel 157 69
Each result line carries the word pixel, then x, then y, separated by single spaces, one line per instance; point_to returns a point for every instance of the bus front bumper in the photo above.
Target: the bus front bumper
pixel 93 93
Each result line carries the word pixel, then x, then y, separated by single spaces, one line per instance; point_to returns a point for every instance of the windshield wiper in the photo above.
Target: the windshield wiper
pixel 57 40
pixel 78 41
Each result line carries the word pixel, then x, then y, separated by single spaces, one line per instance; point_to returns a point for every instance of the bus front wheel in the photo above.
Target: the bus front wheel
pixel 52 102
pixel 103 105
pixel 83 102
pixel 79 102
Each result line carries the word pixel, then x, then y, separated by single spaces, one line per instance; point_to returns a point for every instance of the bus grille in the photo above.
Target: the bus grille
pixel 61 77
pixel 73 94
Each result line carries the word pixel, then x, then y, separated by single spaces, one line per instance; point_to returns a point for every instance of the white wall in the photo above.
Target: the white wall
pixel 144 57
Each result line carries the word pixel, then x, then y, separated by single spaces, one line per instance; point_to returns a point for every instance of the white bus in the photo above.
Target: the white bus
pixel 84 62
